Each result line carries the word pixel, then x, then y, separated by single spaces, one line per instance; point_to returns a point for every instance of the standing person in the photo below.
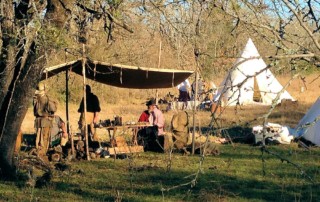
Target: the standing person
pixel 201 85
pixel 184 93
pixel 92 115
pixel 43 109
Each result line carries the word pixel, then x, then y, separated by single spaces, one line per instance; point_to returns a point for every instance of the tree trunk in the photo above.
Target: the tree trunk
pixel 19 75
pixel 17 110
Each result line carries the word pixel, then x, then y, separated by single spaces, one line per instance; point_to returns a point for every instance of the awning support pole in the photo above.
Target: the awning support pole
pixel 194 110
pixel 67 108
pixel 85 101
pixel 67 113
pixel 159 63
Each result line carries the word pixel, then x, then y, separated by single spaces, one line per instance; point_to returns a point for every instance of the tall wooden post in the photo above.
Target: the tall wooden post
pixel 67 113
pixel 67 107
pixel 67 92
pixel 85 100
pixel 194 110
pixel 159 63
pixel 159 58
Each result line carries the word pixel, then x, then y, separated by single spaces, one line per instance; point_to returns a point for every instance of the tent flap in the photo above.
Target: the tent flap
pixel 123 76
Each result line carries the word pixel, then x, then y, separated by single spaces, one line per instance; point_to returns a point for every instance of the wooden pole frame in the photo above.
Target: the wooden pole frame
pixel 159 63
pixel 85 100
pixel 67 114
pixel 67 109
pixel 194 111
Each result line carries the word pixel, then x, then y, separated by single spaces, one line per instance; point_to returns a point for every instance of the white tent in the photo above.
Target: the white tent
pixel 250 81
pixel 309 125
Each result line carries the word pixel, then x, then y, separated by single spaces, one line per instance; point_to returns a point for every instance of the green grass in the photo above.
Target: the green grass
pixel 237 174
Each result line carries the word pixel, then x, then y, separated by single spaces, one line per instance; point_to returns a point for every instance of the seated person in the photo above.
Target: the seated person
pixel 58 135
pixel 58 132
pixel 210 90
pixel 146 115
pixel 158 120
pixel 149 136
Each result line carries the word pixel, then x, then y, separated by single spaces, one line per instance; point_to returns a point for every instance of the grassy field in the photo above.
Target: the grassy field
pixel 241 172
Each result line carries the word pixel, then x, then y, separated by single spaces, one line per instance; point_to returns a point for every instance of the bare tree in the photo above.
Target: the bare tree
pixel 290 26
pixel 24 48
pixel 20 70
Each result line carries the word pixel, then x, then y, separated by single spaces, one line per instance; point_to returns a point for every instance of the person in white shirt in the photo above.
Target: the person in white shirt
pixel 184 92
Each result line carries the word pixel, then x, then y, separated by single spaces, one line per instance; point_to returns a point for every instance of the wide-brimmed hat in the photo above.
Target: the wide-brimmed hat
pixel 151 102
pixel 40 88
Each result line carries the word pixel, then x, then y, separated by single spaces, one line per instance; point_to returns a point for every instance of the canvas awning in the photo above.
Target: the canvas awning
pixel 123 76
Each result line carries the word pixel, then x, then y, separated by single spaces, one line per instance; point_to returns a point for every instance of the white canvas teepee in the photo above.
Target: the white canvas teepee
pixel 249 81
pixel 309 125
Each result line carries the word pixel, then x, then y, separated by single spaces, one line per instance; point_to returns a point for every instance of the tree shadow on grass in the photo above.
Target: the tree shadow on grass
pixel 281 182
pixel 228 186
pixel 88 193
pixel 102 179
pixel 221 181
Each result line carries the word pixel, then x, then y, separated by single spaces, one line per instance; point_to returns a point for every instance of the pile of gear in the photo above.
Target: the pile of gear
pixel 181 138
pixel 274 134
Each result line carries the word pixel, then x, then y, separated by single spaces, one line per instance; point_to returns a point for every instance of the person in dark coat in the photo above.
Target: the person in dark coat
pixel 92 115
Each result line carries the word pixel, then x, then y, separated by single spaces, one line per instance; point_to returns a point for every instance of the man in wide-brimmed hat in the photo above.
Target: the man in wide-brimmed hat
pixel 44 110
pixel 41 89
pixel 147 115
pixel 150 135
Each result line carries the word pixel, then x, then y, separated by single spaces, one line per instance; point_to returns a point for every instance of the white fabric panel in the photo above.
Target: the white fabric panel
pixel 180 105
pixel 311 133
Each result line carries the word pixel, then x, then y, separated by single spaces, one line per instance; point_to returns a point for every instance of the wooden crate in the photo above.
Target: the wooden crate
pixel 120 141
pixel 125 149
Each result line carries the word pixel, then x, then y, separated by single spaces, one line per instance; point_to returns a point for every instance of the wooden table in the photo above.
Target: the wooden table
pixel 118 144
pixel 134 128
